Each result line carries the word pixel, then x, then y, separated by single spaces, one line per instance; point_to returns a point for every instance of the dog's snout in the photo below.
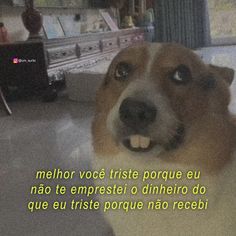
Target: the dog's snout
pixel 137 114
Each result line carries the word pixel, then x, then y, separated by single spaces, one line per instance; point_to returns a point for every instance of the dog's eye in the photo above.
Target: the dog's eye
pixel 122 71
pixel 181 75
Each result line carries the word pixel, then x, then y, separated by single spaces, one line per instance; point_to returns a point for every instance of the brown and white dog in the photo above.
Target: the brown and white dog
pixel 161 108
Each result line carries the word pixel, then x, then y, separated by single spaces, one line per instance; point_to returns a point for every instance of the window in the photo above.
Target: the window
pixel 222 21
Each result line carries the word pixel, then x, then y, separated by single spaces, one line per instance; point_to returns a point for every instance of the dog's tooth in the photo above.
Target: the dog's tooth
pixel 135 141
pixel 144 142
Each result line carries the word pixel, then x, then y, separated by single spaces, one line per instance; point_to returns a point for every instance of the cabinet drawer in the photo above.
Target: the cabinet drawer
pixel 89 48
pixel 125 41
pixel 138 38
pixel 109 44
pixel 61 54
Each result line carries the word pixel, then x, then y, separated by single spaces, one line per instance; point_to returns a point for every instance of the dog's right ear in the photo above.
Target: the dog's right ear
pixel 223 72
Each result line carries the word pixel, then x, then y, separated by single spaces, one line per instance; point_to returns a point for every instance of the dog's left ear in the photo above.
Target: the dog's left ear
pixel 223 72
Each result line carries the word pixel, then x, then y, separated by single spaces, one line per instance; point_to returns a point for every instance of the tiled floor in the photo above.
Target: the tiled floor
pixel 45 136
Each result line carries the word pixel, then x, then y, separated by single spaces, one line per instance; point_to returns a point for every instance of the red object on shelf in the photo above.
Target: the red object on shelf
pixel 3 34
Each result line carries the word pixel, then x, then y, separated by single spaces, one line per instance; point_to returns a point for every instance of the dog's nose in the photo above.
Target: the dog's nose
pixel 137 114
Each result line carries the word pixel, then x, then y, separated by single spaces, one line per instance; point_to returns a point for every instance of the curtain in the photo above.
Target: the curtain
pixel 183 21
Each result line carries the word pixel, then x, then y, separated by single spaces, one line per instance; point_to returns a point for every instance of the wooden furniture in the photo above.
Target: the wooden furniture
pixel 86 51
pixel 33 66
pixel 41 63
pixel 65 52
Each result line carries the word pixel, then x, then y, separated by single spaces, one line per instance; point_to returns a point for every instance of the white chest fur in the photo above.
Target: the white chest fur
pixel 217 219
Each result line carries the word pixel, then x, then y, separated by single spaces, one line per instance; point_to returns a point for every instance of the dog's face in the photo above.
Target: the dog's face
pixel 152 94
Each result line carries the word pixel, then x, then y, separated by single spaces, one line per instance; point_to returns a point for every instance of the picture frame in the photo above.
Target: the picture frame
pixel 54 3
pixel 108 19
pixel 18 3
pixel 69 25
pixel 41 3
pixel 75 3
pixel 52 27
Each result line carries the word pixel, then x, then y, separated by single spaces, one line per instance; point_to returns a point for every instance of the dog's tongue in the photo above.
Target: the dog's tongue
pixel 138 141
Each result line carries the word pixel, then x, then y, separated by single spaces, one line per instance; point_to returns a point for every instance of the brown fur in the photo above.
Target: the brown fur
pixel 110 91
pixel 210 132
